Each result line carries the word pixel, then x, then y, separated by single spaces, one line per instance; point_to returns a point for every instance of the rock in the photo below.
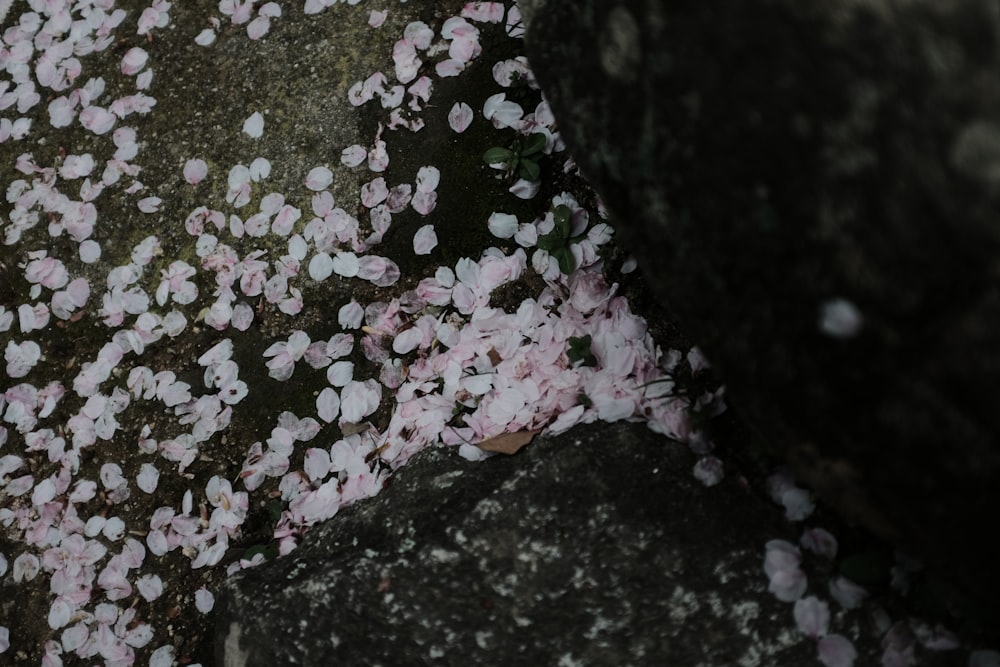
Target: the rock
pixel 812 189
pixel 597 547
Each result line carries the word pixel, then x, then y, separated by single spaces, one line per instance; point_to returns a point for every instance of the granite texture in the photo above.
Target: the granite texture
pixel 812 190
pixel 596 547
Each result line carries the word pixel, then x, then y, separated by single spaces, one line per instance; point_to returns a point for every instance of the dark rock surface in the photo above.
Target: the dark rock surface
pixel 593 548
pixel 812 189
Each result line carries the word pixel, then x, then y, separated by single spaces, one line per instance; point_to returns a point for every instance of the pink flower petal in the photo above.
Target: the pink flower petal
pixel 820 542
pixel 428 179
pixel 460 117
pixel 425 240
pixel 354 155
pixel 836 651
pixel 150 204
pixel 148 477
pixel 502 225
pixel 133 61
pixel 424 202
pixel 319 178
pixel 204 601
pixel 407 341
pixel 258 27
pixel 254 125
pixel 90 251
pixel 812 616
pixel 485 12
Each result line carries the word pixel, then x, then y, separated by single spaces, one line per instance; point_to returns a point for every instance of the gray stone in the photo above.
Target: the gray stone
pixel 596 547
pixel 812 189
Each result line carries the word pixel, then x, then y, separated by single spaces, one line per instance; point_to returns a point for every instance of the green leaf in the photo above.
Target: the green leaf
pixel 274 509
pixel 562 215
pixel 270 551
pixel 550 242
pixel 567 263
pixel 498 155
pixel 533 144
pixel 529 169
pixel 579 350
pixel 867 567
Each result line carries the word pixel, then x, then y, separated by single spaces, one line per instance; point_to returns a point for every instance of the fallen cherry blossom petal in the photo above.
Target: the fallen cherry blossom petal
pixel 525 189
pixel 460 117
pixel 319 178
pixel 836 651
pixel 205 37
pixel 320 266
pixel 204 601
pixel 354 155
pixel 150 204
pixel 358 400
pixel 21 358
pixel 133 61
pixel 258 27
pixel 254 125
pixel 502 225
pixel 328 405
pixel 148 477
pixel 812 616
pixel 90 251
pixel 708 470
pixel 350 315
pixel 424 202
pixel 847 593
pixel 820 542
pixel 425 240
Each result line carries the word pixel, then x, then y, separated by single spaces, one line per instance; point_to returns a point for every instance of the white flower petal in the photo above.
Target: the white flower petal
pixel 328 405
pixel 425 240
pixel 460 117
pixel 254 125
pixel 503 225
pixel 319 178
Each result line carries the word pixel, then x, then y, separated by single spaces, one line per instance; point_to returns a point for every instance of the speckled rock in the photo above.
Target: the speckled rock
pixel 593 548
pixel 812 189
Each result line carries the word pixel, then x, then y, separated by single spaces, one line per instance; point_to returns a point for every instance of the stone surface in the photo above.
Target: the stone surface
pixel 596 547
pixel 812 189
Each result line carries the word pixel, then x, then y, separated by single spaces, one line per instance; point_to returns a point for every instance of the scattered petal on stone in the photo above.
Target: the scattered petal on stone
pixel 460 117
pixel 839 318
pixel 836 651
pixel 205 37
pixel 812 616
pixel 524 189
pixel 320 266
pixel 425 240
pixel 134 60
pixel 150 204
pixel 502 225
pixel 328 405
pixel 354 155
pixel 204 601
pixel 90 251
pixel 254 125
pixel 319 178
pixel 709 470
pixel 148 477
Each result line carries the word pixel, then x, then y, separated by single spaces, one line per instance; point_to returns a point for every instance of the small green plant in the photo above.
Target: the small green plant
pixel 557 242
pixel 520 158
pixel 579 351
